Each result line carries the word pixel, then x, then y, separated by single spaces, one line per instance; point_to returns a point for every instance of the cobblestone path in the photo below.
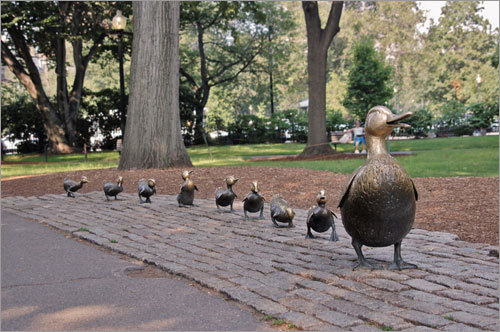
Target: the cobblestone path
pixel 277 272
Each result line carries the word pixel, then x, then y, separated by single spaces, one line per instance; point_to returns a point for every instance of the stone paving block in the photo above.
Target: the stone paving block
pixel 474 320
pixel 424 297
pixel 379 318
pixel 300 320
pixel 455 327
pixel 365 328
pixel 443 280
pixel 346 307
pixel 461 295
pixel 421 318
pixel 424 285
pixel 419 329
pixel 339 319
pixel 385 284
pixel 301 305
pixel 485 283
pixel 472 308
pixel 273 293
pixel 312 295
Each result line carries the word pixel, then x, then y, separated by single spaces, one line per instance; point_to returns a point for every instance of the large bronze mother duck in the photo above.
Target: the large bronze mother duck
pixel 378 203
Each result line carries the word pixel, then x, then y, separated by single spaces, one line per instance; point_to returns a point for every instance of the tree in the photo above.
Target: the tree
pixel 368 80
pixel 152 136
pixel 220 40
pixel 318 41
pixel 47 27
pixel 458 48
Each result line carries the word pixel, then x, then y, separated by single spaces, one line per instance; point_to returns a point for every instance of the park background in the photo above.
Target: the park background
pixel 247 92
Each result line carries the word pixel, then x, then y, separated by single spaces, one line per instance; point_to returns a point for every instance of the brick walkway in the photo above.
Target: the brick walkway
pixel 309 283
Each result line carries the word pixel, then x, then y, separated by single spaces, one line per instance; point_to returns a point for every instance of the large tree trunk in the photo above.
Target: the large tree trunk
pixel 318 41
pixel 152 136
pixel 54 128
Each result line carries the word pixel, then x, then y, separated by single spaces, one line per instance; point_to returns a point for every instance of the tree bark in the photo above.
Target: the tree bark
pixel 30 79
pixel 318 41
pixel 152 135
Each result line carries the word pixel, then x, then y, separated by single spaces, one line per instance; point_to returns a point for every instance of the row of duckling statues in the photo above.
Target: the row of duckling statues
pixel 147 188
pixel 319 218
pixel 377 205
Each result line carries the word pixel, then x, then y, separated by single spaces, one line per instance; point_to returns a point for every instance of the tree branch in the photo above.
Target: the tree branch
pixel 332 25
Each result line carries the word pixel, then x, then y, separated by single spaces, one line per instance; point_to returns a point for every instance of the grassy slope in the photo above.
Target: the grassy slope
pixel 456 156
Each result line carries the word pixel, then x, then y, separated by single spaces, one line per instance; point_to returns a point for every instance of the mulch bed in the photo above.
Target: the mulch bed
pixel 465 206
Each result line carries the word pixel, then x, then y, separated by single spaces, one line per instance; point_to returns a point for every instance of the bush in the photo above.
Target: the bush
pixel 420 122
pixel 247 129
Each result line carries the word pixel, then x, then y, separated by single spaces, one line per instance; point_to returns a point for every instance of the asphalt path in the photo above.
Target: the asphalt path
pixel 51 281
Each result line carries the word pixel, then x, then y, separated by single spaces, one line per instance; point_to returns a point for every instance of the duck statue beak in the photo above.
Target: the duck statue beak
pixel 394 120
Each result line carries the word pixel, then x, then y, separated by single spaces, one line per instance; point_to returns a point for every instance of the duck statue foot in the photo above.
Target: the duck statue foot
pixel 363 264
pixel 398 263
pixel 309 234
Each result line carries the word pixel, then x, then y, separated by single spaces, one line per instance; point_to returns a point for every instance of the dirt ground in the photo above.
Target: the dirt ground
pixel 465 206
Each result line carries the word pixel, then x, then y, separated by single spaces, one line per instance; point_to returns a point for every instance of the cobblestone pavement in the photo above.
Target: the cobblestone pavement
pixel 279 273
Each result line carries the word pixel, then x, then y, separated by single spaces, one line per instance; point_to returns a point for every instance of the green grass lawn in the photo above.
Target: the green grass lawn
pixel 440 157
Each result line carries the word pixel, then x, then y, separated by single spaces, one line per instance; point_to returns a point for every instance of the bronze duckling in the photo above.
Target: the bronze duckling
pixel 379 200
pixel 281 211
pixel 320 219
pixel 254 202
pixel 71 186
pixel 147 188
pixel 186 196
pixel 113 188
pixel 225 197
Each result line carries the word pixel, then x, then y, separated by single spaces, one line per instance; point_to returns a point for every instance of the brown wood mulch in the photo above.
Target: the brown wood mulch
pixel 465 206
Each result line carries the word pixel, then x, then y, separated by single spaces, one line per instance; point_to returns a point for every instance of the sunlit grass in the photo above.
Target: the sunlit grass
pixel 455 156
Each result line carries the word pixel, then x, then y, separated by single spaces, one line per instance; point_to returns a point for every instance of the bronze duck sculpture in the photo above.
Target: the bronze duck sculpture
pixel 71 186
pixel 254 202
pixel 113 188
pixel 320 219
pixel 281 211
pixel 186 196
pixel 147 188
pixel 225 197
pixel 379 200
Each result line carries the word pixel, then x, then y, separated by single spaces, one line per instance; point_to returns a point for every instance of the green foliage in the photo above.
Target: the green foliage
pixel 368 80
pixel 246 129
pixel 292 121
pixel 335 121
pixel 21 120
pixel 98 111
pixel 421 123
pixel 483 114
pixel 457 49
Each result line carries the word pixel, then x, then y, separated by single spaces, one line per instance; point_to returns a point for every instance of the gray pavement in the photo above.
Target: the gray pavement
pixel 309 283
pixel 52 282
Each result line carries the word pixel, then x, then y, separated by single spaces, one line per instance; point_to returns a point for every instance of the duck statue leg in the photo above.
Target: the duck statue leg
pixel 140 199
pixel 309 234
pixel 70 194
pixel 261 213
pixel 246 215
pixel 275 223
pixel 362 262
pixel 398 263
pixel 334 237
pixel 232 210
pixel 107 198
